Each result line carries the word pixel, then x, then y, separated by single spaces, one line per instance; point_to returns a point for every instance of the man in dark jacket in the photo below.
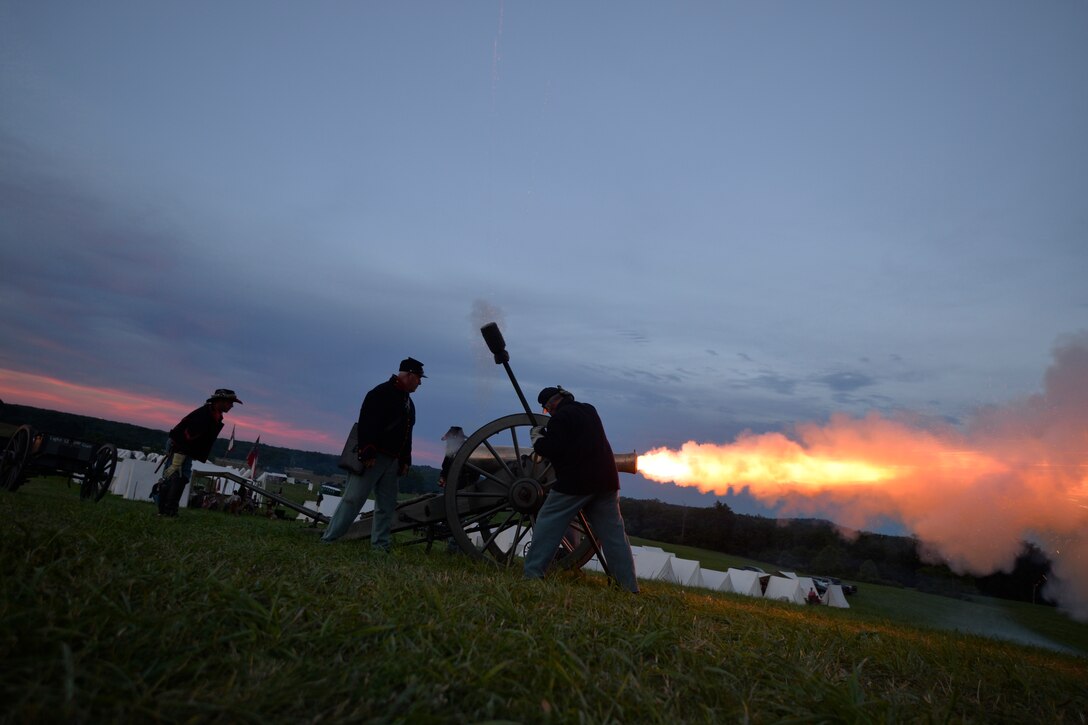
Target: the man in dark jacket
pixel 586 480
pixel 386 419
pixel 192 438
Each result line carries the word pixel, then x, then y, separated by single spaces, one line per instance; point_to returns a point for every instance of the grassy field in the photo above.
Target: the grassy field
pixel 110 614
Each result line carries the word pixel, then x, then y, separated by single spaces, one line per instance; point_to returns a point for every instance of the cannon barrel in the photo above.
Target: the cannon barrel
pixel 627 462
pixel 486 460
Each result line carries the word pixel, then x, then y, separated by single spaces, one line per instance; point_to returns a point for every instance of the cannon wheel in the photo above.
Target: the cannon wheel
pixel 15 457
pixel 99 474
pixel 491 503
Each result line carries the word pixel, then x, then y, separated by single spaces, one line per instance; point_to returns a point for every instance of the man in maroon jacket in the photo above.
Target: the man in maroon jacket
pixel 586 480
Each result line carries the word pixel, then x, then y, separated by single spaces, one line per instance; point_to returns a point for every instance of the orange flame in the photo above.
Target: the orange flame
pixel 875 453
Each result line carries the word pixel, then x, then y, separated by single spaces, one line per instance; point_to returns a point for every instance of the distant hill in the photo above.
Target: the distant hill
pixel 151 440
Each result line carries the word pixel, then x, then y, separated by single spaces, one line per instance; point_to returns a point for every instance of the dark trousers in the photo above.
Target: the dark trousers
pixel 175 478
pixel 170 494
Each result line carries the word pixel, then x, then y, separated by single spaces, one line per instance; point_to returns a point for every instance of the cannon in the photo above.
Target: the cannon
pixel 29 453
pixel 495 486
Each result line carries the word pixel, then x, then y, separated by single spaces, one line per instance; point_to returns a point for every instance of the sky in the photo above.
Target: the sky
pixel 704 218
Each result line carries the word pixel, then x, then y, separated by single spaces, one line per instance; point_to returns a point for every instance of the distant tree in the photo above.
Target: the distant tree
pixel 868 571
pixel 420 479
pixel 831 560
pixel 1031 569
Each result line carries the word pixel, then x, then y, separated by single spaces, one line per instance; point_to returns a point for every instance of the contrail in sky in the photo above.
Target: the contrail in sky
pixel 496 56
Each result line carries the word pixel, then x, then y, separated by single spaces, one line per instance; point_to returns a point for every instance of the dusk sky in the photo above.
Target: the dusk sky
pixel 701 217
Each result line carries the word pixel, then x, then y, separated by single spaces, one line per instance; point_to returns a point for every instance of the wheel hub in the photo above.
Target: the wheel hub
pixel 526 495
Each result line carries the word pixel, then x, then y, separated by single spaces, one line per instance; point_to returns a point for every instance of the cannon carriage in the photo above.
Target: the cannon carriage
pixel 494 488
pixel 30 453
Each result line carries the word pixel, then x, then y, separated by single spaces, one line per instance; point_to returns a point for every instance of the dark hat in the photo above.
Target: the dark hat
pixel 411 365
pixel 225 394
pixel 548 393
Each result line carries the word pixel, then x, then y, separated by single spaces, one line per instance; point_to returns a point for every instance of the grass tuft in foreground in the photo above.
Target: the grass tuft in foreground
pixel 111 614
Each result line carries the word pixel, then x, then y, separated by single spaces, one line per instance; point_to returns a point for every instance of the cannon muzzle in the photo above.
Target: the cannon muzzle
pixel 627 462
pixel 495 342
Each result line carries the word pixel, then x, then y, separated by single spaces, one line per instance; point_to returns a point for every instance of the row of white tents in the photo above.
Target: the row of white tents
pixel 654 563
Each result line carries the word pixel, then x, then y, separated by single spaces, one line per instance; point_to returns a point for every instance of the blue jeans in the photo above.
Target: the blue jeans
pixel 382 479
pixel 603 513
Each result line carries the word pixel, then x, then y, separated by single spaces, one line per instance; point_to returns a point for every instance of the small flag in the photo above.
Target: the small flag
pixel 230 443
pixel 251 459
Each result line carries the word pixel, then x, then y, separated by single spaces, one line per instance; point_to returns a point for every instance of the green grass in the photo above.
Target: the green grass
pixel 109 614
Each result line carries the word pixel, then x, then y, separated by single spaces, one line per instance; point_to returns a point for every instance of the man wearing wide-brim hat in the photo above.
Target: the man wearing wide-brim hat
pixel 384 452
pixel 192 438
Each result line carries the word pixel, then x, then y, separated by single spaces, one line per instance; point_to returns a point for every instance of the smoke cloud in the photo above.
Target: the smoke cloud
pixel 970 494
pixel 482 313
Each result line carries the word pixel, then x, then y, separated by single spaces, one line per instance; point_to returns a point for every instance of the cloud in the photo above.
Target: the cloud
pixel 778 383
pixel 846 382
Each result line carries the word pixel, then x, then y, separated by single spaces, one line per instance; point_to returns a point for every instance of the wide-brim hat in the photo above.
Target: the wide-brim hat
pixel 225 394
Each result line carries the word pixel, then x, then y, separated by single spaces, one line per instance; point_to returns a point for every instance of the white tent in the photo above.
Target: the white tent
pixel 133 479
pixel 784 589
pixel 219 483
pixel 713 579
pixel 685 572
pixel 505 540
pixel 807 585
pixel 744 582
pixel 833 597
pixel 650 563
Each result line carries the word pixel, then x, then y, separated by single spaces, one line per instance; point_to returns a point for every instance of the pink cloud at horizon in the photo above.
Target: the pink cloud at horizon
pixel 43 391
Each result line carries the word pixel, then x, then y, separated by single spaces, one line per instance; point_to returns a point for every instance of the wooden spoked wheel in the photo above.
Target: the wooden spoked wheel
pixel 495 486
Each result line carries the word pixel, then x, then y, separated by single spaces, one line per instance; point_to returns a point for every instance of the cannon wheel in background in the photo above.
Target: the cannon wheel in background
pixel 14 458
pixel 99 473
pixel 492 510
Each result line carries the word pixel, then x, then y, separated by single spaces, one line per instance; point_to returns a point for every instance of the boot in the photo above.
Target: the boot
pixel 174 487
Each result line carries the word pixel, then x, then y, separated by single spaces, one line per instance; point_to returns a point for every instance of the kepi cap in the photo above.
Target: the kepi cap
pixel 548 393
pixel 411 365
